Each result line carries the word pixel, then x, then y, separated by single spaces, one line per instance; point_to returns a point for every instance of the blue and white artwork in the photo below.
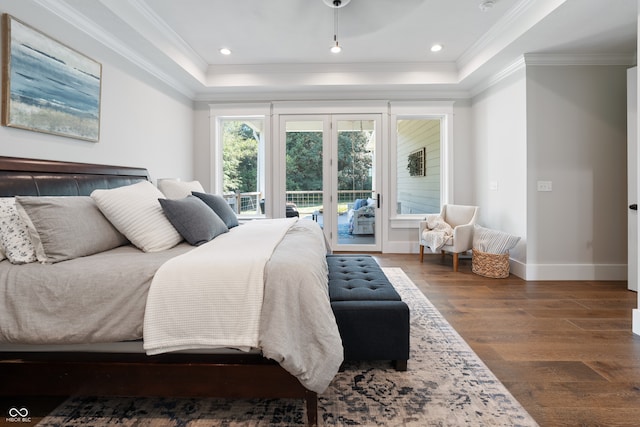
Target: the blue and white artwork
pixel 50 87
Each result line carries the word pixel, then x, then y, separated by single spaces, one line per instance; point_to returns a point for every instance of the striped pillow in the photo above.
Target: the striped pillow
pixel 493 241
pixel 136 212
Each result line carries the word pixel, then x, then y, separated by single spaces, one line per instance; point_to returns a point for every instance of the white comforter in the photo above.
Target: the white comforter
pixel 217 296
pixel 212 296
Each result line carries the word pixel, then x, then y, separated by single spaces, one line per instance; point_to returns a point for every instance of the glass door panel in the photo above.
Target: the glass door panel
pixel 356 185
pixel 304 146
pixel 331 176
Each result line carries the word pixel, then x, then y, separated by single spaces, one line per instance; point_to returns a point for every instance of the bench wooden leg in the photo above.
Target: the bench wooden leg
pixel 312 408
pixel 455 261
pixel 401 365
pixel 421 253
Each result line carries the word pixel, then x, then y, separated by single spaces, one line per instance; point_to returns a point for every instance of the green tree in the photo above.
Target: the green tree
pixel 354 160
pixel 304 161
pixel 240 157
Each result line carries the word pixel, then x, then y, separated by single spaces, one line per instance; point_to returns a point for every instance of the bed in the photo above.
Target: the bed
pixel 111 360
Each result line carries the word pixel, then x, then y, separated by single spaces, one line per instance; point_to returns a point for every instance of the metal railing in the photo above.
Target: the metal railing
pixel 252 203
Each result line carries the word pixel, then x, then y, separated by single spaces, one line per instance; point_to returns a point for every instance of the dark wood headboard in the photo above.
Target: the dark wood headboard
pixel 31 177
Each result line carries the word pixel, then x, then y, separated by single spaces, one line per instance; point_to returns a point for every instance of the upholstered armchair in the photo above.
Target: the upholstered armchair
pixel 462 220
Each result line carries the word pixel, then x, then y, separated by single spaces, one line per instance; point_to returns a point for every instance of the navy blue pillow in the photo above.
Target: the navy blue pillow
pixel 193 219
pixel 220 207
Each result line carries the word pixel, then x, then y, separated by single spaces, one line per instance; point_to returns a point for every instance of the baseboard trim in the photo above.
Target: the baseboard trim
pixel 576 272
pixel 635 321
pixel 538 271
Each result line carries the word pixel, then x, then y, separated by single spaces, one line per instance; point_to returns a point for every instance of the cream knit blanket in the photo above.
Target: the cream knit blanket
pixel 212 295
pixel 437 233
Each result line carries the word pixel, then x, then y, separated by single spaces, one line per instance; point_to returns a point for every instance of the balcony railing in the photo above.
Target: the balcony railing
pixel 307 201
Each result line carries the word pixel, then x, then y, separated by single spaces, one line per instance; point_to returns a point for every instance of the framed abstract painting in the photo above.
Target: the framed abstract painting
pixel 47 86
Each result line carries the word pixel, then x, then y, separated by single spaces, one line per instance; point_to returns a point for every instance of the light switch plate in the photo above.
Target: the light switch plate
pixel 545 186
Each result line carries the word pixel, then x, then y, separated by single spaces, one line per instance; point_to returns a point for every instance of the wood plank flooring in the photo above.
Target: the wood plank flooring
pixel 564 349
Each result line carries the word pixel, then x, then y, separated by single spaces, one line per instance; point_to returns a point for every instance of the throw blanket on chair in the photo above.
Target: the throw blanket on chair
pixel 212 295
pixel 437 233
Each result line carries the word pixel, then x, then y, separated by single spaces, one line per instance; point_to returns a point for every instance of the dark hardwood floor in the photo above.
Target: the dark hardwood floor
pixel 564 349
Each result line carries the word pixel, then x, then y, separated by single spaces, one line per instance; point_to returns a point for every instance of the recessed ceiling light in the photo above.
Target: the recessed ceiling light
pixel 225 51
pixel 436 48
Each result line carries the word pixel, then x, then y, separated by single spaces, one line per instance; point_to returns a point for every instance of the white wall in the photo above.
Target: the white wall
pixel 567 125
pixel 500 162
pixel 143 123
pixel 576 138
pixel 202 145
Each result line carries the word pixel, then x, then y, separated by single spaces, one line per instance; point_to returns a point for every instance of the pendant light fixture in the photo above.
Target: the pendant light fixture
pixel 336 4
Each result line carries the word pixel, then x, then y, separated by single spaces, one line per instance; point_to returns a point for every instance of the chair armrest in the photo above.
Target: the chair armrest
pixel 421 227
pixel 463 237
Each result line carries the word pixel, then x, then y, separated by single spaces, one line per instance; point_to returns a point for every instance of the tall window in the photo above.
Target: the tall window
pixel 418 166
pixel 421 180
pixel 240 163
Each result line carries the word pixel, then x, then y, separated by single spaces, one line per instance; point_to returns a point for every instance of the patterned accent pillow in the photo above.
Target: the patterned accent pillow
pixel 493 241
pixel 14 235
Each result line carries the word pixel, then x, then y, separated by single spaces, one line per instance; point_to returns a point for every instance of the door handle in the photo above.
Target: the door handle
pixel 633 207
pixel 379 200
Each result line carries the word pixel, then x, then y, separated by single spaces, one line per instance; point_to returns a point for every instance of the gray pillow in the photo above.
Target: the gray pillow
pixel 220 207
pixel 193 219
pixel 67 227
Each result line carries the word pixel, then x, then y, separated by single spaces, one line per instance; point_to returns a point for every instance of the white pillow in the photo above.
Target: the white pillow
pixel 136 212
pixel 14 234
pixel 176 189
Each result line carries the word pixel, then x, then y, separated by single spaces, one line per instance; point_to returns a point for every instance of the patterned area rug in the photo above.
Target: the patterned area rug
pixel 446 385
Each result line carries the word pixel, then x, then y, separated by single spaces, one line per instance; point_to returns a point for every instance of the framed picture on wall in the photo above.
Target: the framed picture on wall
pixel 416 162
pixel 47 86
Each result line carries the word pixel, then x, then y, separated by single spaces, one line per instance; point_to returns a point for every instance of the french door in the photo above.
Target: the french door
pixel 332 175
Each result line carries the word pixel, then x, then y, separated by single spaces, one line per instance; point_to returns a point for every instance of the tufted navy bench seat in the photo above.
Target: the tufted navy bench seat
pixel 372 319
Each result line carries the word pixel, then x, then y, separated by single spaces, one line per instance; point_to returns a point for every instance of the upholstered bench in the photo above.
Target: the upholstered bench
pixel 372 319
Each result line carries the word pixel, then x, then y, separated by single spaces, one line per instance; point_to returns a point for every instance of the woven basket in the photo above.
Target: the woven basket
pixel 495 266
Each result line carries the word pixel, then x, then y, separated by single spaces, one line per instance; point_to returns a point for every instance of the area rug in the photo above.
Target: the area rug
pixel 446 385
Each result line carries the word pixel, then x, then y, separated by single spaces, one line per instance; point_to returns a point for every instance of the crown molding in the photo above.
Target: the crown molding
pixel 82 23
pixel 493 80
pixel 495 32
pixel 555 59
pixel 150 26
pixel 564 59
pixel 518 20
